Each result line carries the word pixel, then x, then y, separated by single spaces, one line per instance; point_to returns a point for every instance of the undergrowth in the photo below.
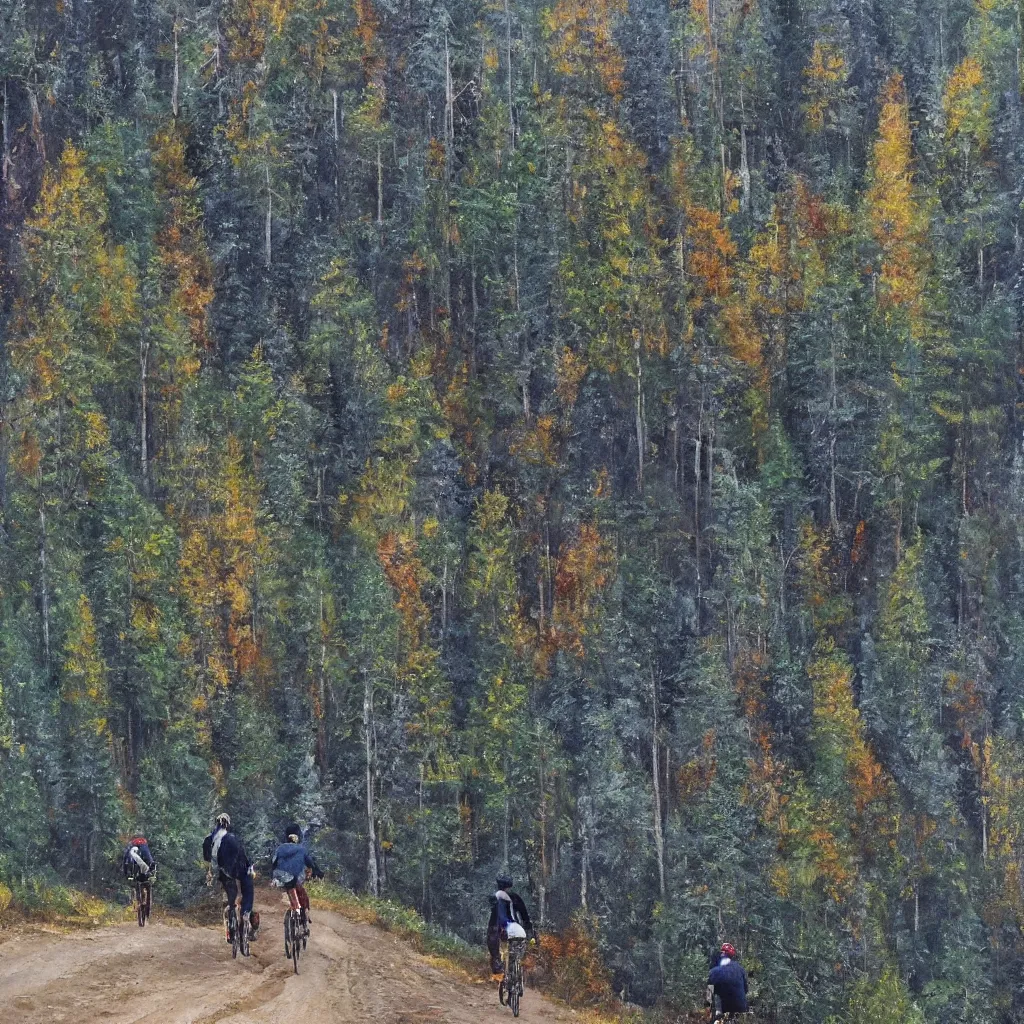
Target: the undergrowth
pixel 565 967
pixel 38 901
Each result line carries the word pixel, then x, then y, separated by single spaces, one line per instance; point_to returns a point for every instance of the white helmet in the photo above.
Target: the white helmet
pixel 223 820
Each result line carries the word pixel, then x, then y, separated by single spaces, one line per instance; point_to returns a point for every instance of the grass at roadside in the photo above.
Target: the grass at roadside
pixel 59 906
pixel 400 921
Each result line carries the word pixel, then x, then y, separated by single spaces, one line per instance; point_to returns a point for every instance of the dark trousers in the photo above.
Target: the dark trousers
pixel 231 886
pixel 494 946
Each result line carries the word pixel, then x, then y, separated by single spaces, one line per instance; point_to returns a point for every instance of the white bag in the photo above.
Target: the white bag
pixel 515 931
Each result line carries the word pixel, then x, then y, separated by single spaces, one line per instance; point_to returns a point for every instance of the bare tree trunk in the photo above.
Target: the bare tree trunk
pixel 834 409
pixel 144 414
pixel 508 61
pixel 43 582
pixel 5 157
pixel 380 187
pixel 321 731
pixel 449 110
pixel 373 878
pixel 584 852
pixel 424 909
pixel 543 886
pixel 744 170
pixel 659 834
pixel 268 251
pixel 174 84
pixel 639 421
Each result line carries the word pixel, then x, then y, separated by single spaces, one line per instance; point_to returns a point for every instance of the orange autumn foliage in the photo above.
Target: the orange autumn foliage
pixel 583 571
pixel 582 43
pixel 825 75
pixel 570 962
pixel 696 777
pixel 896 220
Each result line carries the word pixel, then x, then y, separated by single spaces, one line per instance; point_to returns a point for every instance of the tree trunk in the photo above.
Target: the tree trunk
pixel 424 907
pixel 5 156
pixel 268 252
pixel 175 83
pixel 508 61
pixel 380 187
pixel 144 414
pixel 542 888
pixel 659 834
pixel 373 878
pixel 584 852
pixel 639 422
pixel 43 583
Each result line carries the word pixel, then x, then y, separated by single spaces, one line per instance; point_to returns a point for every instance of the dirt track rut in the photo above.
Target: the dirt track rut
pixel 166 974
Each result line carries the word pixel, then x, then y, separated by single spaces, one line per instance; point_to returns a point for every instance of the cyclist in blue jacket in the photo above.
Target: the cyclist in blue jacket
pixel 291 859
pixel 728 982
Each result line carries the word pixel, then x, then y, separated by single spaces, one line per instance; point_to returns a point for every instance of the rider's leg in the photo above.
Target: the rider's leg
pixel 494 948
pixel 248 898
pixel 300 891
pixel 231 891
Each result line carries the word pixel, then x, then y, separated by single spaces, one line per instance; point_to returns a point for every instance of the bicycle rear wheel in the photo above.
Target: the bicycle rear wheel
pixel 233 928
pixel 140 904
pixel 296 938
pixel 515 981
pixel 243 937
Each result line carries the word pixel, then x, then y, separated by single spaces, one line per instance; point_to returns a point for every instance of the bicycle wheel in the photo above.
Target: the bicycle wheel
pixel 288 935
pixel 515 983
pixel 295 940
pixel 514 991
pixel 233 928
pixel 140 905
pixel 243 937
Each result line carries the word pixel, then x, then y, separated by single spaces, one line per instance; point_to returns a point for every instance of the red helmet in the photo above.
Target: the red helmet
pixel 728 949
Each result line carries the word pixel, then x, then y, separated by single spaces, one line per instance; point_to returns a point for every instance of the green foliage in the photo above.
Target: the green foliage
pixel 576 437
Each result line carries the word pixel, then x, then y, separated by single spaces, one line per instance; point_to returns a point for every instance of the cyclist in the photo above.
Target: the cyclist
pixel 138 864
pixel 291 860
pixel 223 850
pixel 508 915
pixel 727 981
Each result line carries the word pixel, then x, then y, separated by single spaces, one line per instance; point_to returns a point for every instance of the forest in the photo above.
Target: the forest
pixel 582 436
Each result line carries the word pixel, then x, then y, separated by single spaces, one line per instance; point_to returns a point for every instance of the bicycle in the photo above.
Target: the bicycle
pixel 143 898
pixel 238 931
pixel 296 931
pixel 510 988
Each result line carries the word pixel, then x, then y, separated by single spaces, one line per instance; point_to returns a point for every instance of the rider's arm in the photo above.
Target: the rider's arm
pixel 313 866
pixel 208 848
pixel 520 905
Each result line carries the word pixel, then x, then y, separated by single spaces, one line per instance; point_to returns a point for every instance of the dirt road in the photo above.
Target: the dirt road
pixel 171 974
